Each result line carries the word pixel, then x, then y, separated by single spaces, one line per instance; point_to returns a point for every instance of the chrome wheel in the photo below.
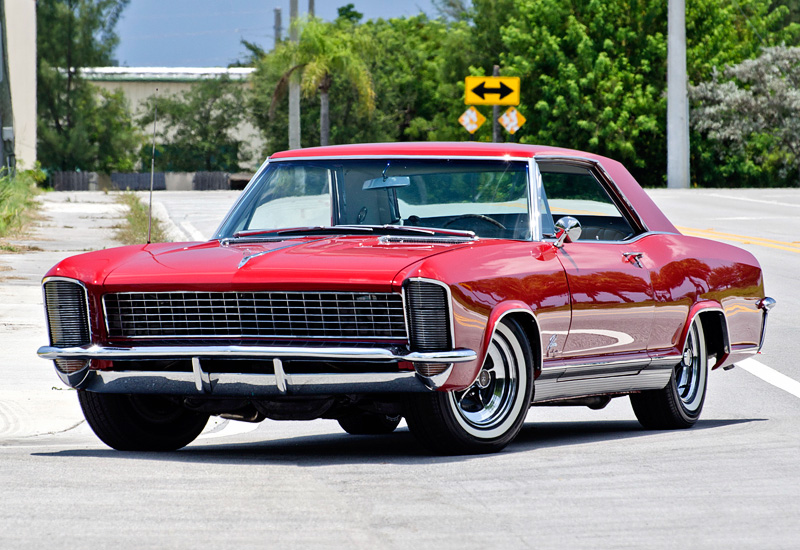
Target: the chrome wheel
pixel 489 401
pixel 691 372
pixel 679 404
pixel 489 414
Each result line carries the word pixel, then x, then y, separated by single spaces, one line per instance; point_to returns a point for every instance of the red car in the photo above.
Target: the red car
pixel 453 284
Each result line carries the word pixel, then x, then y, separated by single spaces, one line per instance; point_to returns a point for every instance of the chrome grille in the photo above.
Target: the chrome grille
pixel 67 315
pixel 346 315
pixel 428 316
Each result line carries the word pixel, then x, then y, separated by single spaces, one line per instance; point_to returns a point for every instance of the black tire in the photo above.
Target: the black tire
pixel 488 415
pixel 369 423
pixel 140 422
pixel 679 404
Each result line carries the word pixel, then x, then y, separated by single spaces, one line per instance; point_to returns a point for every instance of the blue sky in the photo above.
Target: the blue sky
pixel 207 33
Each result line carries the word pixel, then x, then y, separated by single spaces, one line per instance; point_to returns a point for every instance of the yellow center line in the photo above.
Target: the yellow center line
pixel 760 241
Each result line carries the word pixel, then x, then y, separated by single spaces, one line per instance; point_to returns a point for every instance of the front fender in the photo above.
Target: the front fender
pixel 475 331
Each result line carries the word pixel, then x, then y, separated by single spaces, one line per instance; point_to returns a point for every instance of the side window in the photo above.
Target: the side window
pixel 574 191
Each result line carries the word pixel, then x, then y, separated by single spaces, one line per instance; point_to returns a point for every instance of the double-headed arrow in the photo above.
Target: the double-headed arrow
pixel 491 90
pixel 481 90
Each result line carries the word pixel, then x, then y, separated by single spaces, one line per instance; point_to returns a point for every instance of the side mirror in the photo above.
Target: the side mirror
pixel 568 230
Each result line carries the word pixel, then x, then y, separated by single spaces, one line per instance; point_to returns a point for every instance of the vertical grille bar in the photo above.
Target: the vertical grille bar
pixel 67 315
pixel 428 312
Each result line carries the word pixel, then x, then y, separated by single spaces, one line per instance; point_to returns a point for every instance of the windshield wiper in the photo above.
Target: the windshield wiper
pixel 279 234
pixel 430 231
pixel 300 231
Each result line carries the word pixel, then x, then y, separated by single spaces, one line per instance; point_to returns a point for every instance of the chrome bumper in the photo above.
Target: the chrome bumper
pixel 200 382
pixel 765 304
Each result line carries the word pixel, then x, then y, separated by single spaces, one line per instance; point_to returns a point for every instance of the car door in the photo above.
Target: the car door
pixel 611 293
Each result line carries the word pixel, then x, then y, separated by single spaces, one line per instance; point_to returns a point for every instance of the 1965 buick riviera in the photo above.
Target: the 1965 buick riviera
pixel 453 284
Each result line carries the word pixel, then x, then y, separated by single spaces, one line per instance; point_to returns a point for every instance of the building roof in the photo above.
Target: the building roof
pixel 164 74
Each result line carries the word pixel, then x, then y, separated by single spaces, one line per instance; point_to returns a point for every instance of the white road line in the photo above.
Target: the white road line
pixel 771 376
pixel 747 199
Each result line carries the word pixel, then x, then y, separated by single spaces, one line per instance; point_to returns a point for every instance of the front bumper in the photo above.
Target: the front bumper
pixel 200 382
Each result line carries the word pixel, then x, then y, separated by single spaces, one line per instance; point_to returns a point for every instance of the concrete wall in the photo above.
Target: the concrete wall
pixel 21 44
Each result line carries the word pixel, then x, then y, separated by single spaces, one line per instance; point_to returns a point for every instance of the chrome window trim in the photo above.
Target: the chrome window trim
pixel 608 184
pixel 449 307
pixel 506 158
pixel 534 194
pixel 245 193
pixel 86 300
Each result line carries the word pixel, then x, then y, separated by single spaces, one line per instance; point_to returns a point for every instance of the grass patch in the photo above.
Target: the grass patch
pixel 18 200
pixel 134 230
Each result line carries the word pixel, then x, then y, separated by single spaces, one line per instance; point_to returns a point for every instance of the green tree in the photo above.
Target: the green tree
pixel 323 53
pixel 593 71
pixel 750 112
pixel 196 130
pixel 79 127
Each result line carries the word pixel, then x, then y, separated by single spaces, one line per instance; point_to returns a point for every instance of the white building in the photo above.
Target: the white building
pixel 140 83
pixel 20 37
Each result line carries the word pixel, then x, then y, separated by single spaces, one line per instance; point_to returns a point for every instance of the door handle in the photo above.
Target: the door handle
pixel 634 257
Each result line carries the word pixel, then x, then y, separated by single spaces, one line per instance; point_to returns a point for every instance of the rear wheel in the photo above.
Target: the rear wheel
pixel 140 422
pixel 679 404
pixel 488 415
pixel 369 423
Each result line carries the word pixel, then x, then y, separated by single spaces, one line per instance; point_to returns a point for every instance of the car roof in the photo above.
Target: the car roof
pixel 448 149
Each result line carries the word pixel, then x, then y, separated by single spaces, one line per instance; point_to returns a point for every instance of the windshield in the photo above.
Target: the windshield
pixel 489 198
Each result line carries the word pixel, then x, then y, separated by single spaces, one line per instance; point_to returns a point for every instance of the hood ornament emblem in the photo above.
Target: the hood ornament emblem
pixel 263 252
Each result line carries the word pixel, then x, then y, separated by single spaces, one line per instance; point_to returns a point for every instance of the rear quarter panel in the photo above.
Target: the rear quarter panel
pixel 687 271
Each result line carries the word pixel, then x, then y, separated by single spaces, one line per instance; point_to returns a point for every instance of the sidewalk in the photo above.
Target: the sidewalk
pixel 32 399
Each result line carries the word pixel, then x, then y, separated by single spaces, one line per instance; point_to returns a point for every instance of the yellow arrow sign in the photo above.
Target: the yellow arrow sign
pixel 491 90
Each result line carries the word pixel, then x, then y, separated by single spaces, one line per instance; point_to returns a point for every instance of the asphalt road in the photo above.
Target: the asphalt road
pixel 574 478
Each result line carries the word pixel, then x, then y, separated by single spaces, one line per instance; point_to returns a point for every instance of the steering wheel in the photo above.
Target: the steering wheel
pixel 475 217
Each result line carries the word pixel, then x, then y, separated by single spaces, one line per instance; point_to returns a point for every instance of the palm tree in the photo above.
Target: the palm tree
pixel 325 51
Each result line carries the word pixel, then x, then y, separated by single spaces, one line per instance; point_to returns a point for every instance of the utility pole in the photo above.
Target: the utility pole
pixel 294 84
pixel 677 98
pixel 278 27
pixel 311 8
pixel 496 112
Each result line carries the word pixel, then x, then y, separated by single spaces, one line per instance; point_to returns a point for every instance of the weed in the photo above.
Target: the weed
pixel 18 199
pixel 134 229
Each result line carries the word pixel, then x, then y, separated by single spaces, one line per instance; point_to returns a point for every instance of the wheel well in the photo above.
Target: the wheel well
pixel 715 331
pixel 531 329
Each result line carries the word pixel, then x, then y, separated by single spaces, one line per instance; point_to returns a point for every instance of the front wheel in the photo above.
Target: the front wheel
pixel 679 404
pixel 140 422
pixel 488 415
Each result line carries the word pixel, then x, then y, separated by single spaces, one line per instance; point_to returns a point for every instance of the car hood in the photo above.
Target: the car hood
pixel 309 263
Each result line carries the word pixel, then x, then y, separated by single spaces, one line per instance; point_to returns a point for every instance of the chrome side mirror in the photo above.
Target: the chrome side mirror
pixel 568 230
